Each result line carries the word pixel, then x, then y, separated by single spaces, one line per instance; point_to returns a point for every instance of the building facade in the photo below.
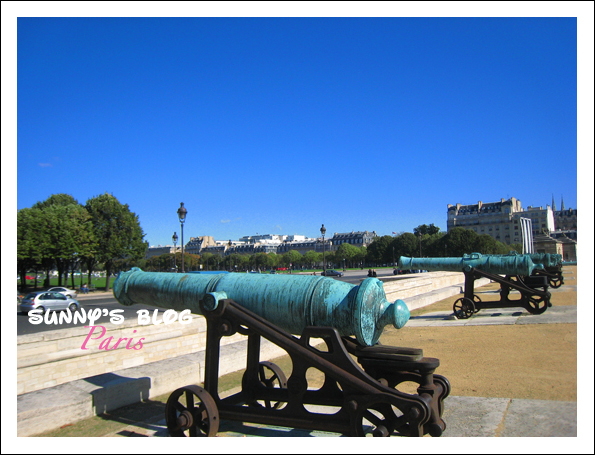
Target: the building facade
pixel 541 219
pixel 502 221
pixel 565 220
pixel 499 220
pixel 557 243
pixel 303 246
pixel 196 244
pixel 355 238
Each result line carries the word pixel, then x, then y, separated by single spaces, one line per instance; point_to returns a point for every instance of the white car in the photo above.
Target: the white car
pixel 46 300
pixel 67 292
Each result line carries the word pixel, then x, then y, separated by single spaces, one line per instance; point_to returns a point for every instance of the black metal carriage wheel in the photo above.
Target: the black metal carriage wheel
pixel 476 299
pixel 538 304
pixel 197 416
pixel 556 281
pixel 380 419
pixel 271 376
pixel 463 308
pixel 371 422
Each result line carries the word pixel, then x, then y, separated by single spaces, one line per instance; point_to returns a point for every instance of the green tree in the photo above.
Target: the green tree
pixel 434 245
pixel 207 260
pixel 460 241
pixel 191 261
pixel 406 244
pixel 243 262
pixel 360 257
pixel 346 252
pixel 292 257
pixel 233 262
pixel 424 229
pixel 217 260
pixel 379 250
pixel 118 232
pixel 261 261
pixel 159 263
pixel 61 199
pixel 29 242
pixel 274 259
pixel 312 258
pixel 486 244
pixel 65 234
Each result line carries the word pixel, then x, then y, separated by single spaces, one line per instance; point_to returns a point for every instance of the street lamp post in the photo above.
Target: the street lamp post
pixel 229 248
pixel 182 217
pixel 419 244
pixel 323 231
pixel 175 240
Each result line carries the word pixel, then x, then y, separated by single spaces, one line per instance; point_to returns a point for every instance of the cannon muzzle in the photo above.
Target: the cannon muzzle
pixel 498 265
pixel 292 302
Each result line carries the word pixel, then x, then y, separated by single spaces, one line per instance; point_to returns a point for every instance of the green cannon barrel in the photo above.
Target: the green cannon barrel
pixel 498 265
pixel 540 260
pixel 292 302
pixel 547 259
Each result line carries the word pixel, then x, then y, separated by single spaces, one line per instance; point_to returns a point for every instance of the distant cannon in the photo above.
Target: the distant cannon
pixel 519 274
pixel 497 264
pixel 347 318
pixel 546 264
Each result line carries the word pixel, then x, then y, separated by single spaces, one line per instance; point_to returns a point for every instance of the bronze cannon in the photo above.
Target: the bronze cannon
pixel 337 326
pixel 512 272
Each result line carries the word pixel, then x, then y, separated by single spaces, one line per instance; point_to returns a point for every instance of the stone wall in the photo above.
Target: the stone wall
pixel 50 358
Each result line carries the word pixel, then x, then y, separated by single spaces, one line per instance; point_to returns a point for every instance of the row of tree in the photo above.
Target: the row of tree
pixel 426 240
pixel 61 234
pixel 346 255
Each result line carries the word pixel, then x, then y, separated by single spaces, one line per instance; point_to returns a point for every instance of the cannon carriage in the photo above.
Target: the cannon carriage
pixel 513 272
pixel 361 392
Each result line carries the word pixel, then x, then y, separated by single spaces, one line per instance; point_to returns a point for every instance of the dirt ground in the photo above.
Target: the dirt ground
pixel 536 361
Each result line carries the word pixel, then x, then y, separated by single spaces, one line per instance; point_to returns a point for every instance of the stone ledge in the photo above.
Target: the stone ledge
pixel 52 407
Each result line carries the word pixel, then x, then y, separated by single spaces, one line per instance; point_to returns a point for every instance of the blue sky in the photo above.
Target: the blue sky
pixel 280 124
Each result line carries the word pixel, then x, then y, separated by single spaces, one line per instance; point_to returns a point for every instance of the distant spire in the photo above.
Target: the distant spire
pixel 563 208
pixel 553 204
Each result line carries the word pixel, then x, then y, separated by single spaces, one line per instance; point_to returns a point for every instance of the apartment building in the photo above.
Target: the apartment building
pixel 355 238
pixel 499 220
